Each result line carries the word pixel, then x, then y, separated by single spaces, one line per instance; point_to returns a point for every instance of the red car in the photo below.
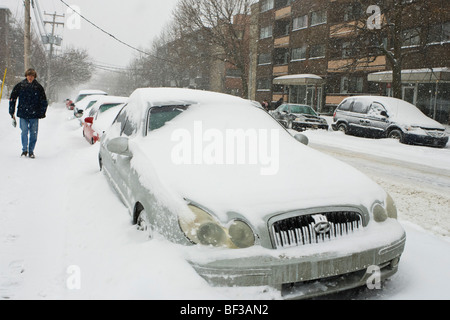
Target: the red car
pixel 69 104
pixel 101 116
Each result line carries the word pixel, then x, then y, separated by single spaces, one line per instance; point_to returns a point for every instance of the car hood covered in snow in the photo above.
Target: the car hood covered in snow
pixel 234 157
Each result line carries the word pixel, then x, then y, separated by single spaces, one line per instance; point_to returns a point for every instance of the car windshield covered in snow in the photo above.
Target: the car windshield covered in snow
pixel 158 116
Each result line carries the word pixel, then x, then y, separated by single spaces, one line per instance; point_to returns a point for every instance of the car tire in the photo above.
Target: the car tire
pixel 343 128
pixel 396 134
pixel 143 224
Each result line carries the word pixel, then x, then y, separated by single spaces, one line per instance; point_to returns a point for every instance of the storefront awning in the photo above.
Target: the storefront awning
pixel 299 80
pixel 426 75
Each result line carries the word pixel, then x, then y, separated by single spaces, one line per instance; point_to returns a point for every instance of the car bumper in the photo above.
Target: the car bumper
pixel 308 125
pixel 308 275
pixel 426 140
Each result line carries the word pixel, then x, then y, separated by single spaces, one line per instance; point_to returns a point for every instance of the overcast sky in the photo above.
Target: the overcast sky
pixel 135 22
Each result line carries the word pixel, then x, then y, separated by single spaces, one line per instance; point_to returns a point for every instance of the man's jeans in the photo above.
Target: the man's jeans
pixel 29 127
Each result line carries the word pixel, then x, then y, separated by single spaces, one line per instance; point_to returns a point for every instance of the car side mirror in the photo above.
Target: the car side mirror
pixel 384 114
pixel 302 138
pixel 119 145
pixel 89 120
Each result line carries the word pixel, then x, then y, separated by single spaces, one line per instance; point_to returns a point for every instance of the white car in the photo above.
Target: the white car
pixel 252 205
pixel 385 117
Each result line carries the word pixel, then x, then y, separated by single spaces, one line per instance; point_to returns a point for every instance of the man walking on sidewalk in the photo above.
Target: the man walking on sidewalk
pixel 32 107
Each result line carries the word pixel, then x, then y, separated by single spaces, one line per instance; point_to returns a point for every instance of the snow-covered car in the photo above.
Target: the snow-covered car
pixel 85 93
pixel 223 178
pixel 81 108
pixel 385 117
pixel 299 117
pixel 101 116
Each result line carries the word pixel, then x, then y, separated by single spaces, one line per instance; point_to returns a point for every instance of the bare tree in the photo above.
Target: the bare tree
pixel 223 26
pixel 393 28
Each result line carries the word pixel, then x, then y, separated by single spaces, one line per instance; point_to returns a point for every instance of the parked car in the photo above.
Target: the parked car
pixel 299 117
pixel 101 116
pixel 385 117
pixel 85 93
pixel 282 215
pixel 69 104
pixel 80 110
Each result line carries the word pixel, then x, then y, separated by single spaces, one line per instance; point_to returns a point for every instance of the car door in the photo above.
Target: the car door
pixel 378 119
pixel 116 166
pixel 358 121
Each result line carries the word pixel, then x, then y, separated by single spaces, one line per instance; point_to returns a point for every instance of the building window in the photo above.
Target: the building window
pixel 266 5
pixel 351 84
pixel 347 49
pixel 300 22
pixel 233 73
pixel 411 37
pixel 266 32
pixel 264 58
pixel 439 33
pixel 353 12
pixel 281 56
pixel 264 84
pixel 317 51
pixel 299 53
pixel 318 17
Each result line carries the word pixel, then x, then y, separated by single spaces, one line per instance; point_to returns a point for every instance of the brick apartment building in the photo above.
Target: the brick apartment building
pixel 308 51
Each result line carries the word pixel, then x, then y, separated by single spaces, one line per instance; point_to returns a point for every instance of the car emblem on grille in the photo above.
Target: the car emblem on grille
pixel 321 225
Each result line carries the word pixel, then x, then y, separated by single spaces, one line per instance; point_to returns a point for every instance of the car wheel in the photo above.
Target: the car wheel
pixel 143 224
pixel 343 128
pixel 396 134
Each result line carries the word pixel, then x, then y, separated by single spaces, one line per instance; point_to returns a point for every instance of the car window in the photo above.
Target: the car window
pixel 158 116
pixel 129 128
pixel 302 109
pixel 90 104
pixel 345 105
pixel 376 109
pixel 120 119
pixel 92 113
pixel 284 108
pixel 360 107
pixel 107 106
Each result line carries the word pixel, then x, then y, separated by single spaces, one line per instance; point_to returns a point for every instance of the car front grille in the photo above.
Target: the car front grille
pixel 314 228
pixel 435 133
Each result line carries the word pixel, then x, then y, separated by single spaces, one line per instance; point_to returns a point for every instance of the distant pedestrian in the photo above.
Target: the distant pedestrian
pixel 32 107
pixel 279 103
pixel 265 105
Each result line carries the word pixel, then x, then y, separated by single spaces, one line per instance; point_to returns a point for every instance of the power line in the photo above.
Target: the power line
pixel 115 38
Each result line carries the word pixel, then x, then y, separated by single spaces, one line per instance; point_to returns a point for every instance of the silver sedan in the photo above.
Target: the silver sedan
pixel 252 204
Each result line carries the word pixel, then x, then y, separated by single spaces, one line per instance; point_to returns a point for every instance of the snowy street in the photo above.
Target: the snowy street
pixel 64 234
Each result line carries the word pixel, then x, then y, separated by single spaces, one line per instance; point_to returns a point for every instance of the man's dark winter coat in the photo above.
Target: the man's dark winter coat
pixel 32 100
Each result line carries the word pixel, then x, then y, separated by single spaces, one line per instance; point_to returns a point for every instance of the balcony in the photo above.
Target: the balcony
pixel 281 42
pixel 283 13
pixel 280 70
pixel 372 64
pixel 347 29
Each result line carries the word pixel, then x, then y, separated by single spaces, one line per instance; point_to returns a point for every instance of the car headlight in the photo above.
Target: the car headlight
pixel 241 234
pixel 204 229
pixel 391 208
pixel 381 213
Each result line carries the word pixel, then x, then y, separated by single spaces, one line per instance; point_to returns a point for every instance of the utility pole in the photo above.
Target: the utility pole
pixel 52 40
pixel 27 37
